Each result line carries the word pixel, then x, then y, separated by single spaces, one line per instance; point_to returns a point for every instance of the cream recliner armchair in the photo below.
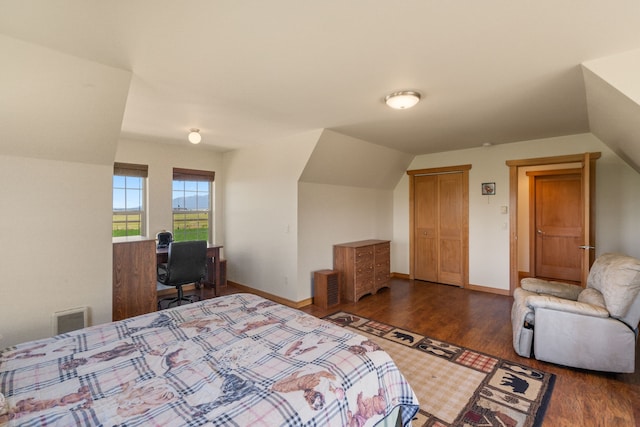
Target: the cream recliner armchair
pixel 592 328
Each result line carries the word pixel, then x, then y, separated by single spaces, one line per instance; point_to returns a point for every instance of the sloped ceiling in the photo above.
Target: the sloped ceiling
pixel 250 72
pixel 57 106
pixel 338 159
pixel 613 97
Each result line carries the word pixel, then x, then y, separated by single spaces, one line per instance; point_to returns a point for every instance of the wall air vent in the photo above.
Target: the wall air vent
pixel 70 320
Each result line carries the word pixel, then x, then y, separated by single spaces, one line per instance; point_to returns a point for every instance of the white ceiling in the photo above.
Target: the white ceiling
pixel 248 72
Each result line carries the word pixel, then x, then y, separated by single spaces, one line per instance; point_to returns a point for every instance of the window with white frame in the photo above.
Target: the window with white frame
pixel 129 194
pixel 192 205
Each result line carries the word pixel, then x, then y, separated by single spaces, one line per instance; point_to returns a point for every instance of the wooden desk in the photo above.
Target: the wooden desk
pixel 134 277
pixel 213 264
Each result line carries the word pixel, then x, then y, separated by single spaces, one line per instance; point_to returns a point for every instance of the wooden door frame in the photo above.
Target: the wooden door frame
pixel 587 160
pixel 464 169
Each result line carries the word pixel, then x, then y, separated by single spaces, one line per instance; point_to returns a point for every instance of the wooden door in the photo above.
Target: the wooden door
pixel 450 262
pixel 557 224
pixel 426 228
pixel 439 218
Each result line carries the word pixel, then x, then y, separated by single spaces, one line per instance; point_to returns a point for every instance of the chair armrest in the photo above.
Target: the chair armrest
pixel 568 306
pixel 549 287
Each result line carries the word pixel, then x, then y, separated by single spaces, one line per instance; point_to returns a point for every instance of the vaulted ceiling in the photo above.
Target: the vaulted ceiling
pixel 249 72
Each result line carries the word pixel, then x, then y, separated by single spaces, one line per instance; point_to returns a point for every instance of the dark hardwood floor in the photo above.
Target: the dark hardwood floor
pixel 482 321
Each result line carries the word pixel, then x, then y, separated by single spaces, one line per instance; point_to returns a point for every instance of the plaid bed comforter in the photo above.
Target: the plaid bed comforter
pixel 234 360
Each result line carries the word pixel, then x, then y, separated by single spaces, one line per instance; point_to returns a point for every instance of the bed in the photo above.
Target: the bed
pixel 234 360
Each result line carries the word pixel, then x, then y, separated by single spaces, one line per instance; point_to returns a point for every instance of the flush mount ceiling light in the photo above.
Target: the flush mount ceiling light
pixel 194 136
pixel 402 100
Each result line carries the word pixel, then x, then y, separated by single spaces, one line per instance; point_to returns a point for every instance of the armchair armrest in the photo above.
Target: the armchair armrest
pixel 549 287
pixel 568 306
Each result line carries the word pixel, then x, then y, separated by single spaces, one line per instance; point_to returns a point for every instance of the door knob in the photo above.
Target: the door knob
pixel 540 231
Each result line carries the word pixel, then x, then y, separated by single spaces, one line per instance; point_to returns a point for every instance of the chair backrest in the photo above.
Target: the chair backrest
pixel 617 277
pixel 187 262
pixel 164 238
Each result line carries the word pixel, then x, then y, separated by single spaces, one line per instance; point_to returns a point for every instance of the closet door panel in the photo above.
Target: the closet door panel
pixel 450 229
pixel 426 228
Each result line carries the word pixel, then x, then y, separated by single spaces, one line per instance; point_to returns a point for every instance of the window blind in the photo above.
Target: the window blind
pixel 192 175
pixel 130 169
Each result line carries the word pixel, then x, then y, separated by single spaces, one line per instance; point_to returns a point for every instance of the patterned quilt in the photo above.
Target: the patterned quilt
pixel 234 360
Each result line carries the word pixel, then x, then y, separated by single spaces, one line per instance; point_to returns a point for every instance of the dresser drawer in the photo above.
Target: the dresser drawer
pixel 383 250
pixel 363 255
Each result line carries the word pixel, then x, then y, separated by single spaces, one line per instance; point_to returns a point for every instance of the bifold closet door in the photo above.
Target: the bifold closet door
pixel 439 228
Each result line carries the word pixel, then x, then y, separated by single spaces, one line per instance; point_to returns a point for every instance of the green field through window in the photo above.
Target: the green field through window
pixel 126 224
pixel 190 226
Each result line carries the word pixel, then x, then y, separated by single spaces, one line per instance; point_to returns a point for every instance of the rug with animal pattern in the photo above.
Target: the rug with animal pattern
pixel 457 386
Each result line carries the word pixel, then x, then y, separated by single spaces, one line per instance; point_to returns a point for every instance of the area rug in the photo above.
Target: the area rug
pixel 457 386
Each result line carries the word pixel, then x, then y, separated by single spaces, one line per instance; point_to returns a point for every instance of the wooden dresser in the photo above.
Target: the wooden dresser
pixel 365 267
pixel 134 277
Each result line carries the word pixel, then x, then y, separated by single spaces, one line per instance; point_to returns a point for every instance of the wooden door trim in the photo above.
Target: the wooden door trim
pixel 435 171
pixel 588 190
pixel 572 171
pixel 539 161
pixel 464 169
pixel 514 165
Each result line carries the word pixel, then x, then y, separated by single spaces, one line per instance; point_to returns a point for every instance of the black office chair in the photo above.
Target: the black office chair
pixel 186 263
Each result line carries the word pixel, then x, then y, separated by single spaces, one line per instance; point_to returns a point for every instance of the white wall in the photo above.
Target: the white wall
pixel 61 117
pixel 617 199
pixel 331 214
pixel 345 194
pixel 618 206
pixel 161 159
pixel 55 224
pixel 261 214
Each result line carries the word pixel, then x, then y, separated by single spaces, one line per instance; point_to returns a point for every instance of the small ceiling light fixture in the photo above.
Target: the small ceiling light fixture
pixel 194 136
pixel 402 100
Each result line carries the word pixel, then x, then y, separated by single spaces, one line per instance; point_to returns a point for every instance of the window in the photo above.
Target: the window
pixel 192 206
pixel 128 199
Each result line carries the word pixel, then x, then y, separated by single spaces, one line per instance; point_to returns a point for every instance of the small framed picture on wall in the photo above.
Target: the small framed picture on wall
pixel 488 188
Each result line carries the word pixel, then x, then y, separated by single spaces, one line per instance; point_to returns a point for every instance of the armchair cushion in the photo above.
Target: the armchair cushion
pixel 593 297
pixel 559 304
pixel 617 277
pixel 550 287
